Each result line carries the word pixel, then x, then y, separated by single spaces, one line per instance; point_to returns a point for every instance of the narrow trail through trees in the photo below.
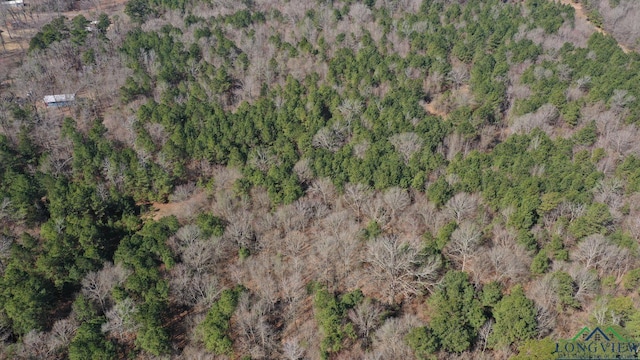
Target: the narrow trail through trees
pixel 582 15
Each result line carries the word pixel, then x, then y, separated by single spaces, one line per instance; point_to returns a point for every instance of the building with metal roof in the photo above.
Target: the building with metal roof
pixel 59 100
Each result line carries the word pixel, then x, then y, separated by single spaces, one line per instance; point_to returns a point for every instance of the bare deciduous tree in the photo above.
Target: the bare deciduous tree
pixel 120 319
pixel 573 93
pixel 202 255
pixel 388 340
pixel 36 345
pixel 620 99
pixel 376 210
pixel 594 252
pixel 350 109
pixel 586 282
pixel 192 288
pixel 239 230
pixel 182 192
pixel 325 249
pixel 458 76
pixel 303 170
pixel 324 189
pixel 543 118
pixel 564 72
pixel 509 263
pixel 464 242
pixel 226 204
pixel 454 144
pixel 188 235
pixel 397 200
pixel 433 83
pixel 361 13
pixel 292 350
pixel 6 209
pixel 293 291
pixel 290 218
pixel 407 144
pixel 357 196
pixel 543 292
pixel 295 243
pixel 609 192
pixel 347 253
pixel 360 149
pixel 262 159
pixel 623 141
pixel 225 178
pixel 601 310
pixel 62 333
pixel 158 134
pixel 366 317
pixel 265 273
pixel 256 335
pixel 331 138
pixel 607 121
pixel 462 206
pixel 97 285
pixel 484 332
pixel 5 250
pixel 546 320
pixel 397 268
pixel 571 210
pixel 584 82
pixel 428 213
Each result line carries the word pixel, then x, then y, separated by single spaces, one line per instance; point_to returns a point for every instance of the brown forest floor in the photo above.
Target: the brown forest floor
pixel 180 209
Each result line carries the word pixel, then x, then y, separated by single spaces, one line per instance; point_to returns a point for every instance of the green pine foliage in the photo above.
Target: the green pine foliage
pixel 56 30
pixel 330 313
pixel 534 349
pixel 215 327
pixel 515 318
pixel 491 294
pixel 540 263
pixel 90 343
pixel 26 297
pixel 565 289
pixel 631 279
pixel 457 313
pixel 210 225
pixel 422 341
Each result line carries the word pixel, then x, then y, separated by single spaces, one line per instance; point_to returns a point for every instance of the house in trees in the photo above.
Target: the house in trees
pixel 59 100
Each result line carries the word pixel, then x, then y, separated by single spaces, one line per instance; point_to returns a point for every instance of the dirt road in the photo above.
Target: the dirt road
pixel 582 15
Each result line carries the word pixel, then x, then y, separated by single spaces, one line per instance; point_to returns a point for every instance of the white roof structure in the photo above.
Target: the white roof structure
pixel 50 99
pixel 13 3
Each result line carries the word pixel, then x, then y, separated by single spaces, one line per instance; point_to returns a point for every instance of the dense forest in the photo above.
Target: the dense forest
pixel 376 179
